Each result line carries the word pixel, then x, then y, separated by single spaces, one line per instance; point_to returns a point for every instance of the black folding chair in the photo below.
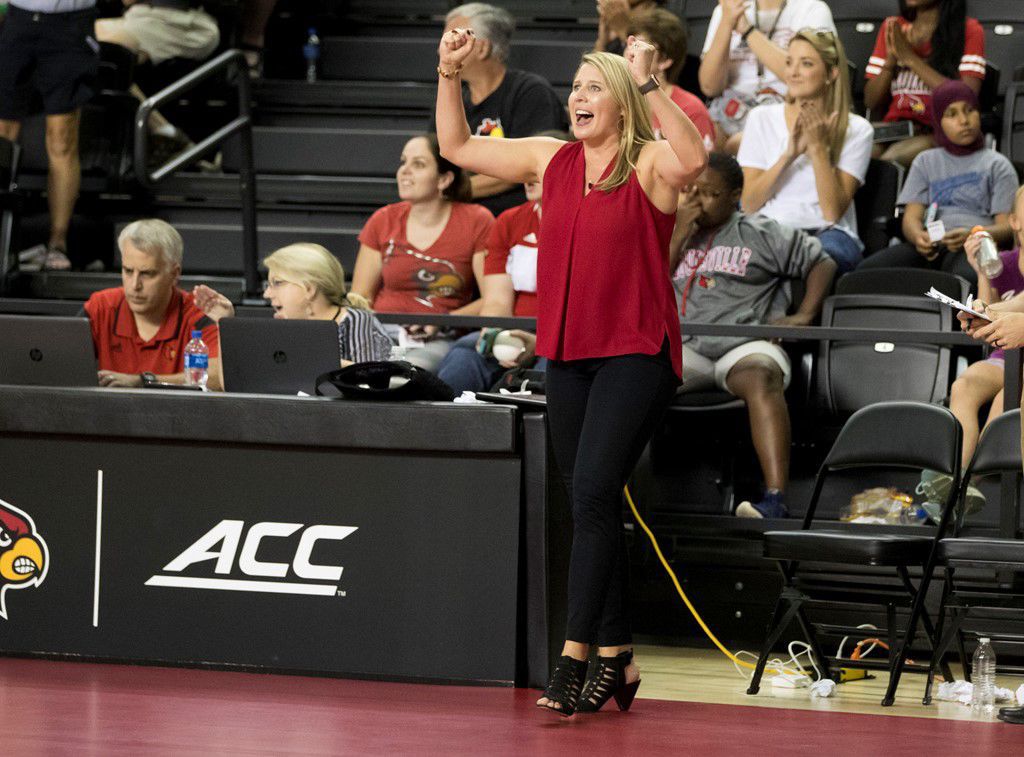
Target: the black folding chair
pixel 886 435
pixel 983 575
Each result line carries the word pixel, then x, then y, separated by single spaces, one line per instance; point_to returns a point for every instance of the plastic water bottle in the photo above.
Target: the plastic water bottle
pixel 988 255
pixel 197 361
pixel 983 676
pixel 311 51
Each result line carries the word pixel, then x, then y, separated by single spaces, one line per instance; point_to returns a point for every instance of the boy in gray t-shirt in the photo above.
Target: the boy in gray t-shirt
pixel 734 268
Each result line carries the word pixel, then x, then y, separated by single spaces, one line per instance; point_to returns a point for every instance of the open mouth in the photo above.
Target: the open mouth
pixel 583 117
pixel 23 566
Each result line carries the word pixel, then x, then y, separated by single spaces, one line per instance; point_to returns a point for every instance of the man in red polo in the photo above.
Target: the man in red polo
pixel 141 328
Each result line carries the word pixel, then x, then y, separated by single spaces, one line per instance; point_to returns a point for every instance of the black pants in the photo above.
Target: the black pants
pixel 907 256
pixel 601 414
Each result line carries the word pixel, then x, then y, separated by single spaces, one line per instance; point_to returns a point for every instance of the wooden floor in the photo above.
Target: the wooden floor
pixel 705 675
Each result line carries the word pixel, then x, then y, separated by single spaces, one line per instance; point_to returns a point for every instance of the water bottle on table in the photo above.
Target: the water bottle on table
pixel 983 676
pixel 197 361
pixel 311 52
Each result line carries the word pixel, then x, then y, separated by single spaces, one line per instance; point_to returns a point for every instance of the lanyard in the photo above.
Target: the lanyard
pixel 769 34
pixel 693 274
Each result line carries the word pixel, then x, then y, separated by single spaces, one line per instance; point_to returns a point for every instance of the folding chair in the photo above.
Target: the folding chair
pixel 983 575
pixel 886 435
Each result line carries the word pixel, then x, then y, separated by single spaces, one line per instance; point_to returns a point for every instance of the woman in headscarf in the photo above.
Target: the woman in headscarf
pixel 961 183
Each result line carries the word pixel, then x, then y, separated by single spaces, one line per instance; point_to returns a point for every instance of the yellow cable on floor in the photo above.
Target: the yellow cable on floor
pixel 689 605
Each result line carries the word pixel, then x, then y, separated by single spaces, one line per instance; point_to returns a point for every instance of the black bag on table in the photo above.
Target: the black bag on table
pixel 386 380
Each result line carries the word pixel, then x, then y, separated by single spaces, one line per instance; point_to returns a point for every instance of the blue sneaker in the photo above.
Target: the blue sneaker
pixel 771 506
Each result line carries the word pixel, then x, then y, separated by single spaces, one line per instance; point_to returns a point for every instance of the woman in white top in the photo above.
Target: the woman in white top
pixel 804 159
pixel 743 63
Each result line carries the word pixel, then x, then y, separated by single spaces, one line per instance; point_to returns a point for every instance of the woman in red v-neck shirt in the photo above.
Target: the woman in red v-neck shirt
pixel 424 254
pixel 606 318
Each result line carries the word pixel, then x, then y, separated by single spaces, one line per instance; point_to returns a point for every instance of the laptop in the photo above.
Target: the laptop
pixel 40 350
pixel 270 356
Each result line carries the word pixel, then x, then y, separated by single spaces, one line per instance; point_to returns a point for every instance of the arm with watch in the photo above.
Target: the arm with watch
pixel 152 381
pixel 760 43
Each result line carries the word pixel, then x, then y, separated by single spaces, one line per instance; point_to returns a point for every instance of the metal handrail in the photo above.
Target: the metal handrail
pixel 234 62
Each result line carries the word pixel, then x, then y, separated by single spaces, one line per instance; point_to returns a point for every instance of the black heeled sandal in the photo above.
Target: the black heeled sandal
pixel 608 680
pixel 565 685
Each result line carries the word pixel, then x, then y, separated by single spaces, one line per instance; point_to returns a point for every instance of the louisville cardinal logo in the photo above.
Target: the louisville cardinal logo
pixel 24 558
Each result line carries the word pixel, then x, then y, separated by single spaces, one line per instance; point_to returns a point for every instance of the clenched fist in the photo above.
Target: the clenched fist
pixel 456 45
pixel 640 57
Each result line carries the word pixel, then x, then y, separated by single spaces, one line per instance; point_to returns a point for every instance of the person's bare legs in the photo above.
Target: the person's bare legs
pixel 580 651
pixel 10 130
pixel 65 174
pixel 758 381
pixel 114 31
pixel 904 151
pixel 254 21
pixel 980 383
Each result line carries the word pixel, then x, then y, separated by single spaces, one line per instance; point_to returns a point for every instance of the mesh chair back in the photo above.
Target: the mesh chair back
pixel 899 434
pixel 902 281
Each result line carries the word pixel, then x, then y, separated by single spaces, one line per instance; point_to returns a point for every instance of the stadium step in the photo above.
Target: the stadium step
pixel 327 95
pixel 340 191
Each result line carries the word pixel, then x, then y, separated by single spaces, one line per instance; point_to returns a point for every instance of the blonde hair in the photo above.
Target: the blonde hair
pixel 837 97
pixel 636 128
pixel 154 237
pixel 307 263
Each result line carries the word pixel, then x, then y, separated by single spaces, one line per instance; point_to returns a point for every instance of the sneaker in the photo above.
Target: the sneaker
pixel 934 488
pixel 771 506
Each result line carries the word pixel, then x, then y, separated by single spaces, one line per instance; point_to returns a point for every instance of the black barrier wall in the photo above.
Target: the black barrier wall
pixel 394 563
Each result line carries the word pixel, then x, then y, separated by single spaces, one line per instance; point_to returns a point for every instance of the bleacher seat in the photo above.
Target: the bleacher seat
pixel 852 375
pixel 1003 21
pixel 875 203
pixel 909 282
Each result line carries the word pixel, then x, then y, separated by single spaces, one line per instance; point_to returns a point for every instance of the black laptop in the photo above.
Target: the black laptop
pixel 270 356
pixel 40 350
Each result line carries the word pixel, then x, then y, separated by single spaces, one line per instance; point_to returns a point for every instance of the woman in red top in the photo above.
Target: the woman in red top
pixel 606 318
pixel 424 254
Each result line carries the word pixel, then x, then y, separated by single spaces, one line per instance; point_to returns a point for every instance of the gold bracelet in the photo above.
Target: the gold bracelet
pixel 450 75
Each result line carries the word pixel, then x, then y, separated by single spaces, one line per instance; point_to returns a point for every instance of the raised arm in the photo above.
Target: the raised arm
pixel 513 160
pixel 713 73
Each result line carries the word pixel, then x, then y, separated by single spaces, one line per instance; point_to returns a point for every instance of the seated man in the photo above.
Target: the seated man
pixel 735 268
pixel 141 328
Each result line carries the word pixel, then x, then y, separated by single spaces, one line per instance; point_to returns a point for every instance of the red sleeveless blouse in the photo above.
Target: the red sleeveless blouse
pixel 603 284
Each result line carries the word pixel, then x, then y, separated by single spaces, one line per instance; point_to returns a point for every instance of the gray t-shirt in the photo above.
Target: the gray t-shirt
pixel 969 189
pixel 741 274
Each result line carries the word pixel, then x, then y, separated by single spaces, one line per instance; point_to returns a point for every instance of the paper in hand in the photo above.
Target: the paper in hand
pixel 935 294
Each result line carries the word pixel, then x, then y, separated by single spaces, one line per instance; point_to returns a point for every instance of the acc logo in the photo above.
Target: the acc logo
pixel 221 543
pixel 24 558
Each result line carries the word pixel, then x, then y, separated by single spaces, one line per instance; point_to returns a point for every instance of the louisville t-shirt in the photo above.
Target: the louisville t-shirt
pixel 692 106
pixel 745 74
pixel 969 189
pixel 435 280
pixel 119 346
pixel 911 97
pixel 522 105
pixel 741 272
pixel 512 249
pixel 795 200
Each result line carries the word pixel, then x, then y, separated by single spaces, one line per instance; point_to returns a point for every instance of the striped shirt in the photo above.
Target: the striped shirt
pixel 52 6
pixel 362 338
pixel 911 97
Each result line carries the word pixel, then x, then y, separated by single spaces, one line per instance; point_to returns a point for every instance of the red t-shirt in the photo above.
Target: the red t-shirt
pixel 512 249
pixel 911 97
pixel 436 280
pixel 692 106
pixel 119 346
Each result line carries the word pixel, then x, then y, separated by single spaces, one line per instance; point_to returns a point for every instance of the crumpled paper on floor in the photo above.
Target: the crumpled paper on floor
pixel 961 691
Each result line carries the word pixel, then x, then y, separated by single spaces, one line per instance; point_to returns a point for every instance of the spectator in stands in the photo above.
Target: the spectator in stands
pixel 744 59
pixel 48 54
pixel 140 329
pixel 736 268
pixel 157 32
pixel 254 27
pixel 501 101
pixel 306 282
pixel 967 183
pixel 424 254
pixel 666 32
pixel 509 288
pixel 804 159
pixel 930 42
pixel 613 18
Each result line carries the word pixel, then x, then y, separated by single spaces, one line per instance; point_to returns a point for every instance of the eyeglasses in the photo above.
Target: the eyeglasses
pixel 275 283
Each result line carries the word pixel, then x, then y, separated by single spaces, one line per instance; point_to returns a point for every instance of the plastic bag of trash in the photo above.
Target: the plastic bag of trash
pixel 882 505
